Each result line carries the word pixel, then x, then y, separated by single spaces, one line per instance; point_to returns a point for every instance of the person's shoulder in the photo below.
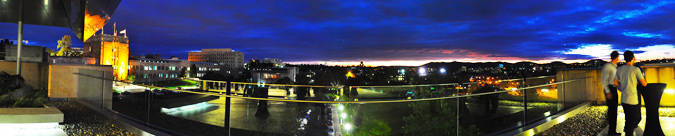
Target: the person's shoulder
pixel 633 68
pixel 637 69
pixel 607 65
pixel 622 67
pixel 604 67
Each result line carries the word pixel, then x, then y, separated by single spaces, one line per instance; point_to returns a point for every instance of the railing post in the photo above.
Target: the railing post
pixel 102 89
pixel 148 94
pixel 227 106
pixel 562 88
pixel 19 39
pixel 204 87
pixel 524 99
pixel 457 116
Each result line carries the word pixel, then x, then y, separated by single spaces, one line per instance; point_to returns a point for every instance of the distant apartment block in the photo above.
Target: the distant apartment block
pixel 28 53
pixel 154 70
pixel 199 69
pixel 271 70
pixel 223 56
pixel 275 61
pixel 269 75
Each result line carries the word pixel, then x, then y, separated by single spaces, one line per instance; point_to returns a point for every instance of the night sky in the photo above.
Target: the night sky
pixel 409 32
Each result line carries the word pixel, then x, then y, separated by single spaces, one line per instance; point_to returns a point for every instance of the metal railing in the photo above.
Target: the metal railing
pixel 238 108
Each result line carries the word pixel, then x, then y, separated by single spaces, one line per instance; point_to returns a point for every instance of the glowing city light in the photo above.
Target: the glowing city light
pixel 350 75
pixel 513 92
pixel 341 107
pixel 347 126
pixel 669 91
pixel 442 70
pixel 422 71
pixel 551 93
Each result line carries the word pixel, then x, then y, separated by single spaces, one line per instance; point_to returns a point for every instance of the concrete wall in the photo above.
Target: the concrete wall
pixel 591 88
pixel 95 86
pixel 28 53
pixel 587 87
pixel 64 80
pixel 34 74
pixel 71 60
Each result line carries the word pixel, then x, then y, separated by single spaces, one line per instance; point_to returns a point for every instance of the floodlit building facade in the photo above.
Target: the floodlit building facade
pixel 110 50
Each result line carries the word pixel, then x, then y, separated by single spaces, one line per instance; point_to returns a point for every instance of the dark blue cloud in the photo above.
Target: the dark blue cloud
pixel 322 30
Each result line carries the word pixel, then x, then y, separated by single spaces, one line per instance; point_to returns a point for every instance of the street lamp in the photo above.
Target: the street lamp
pixel 422 71
pixel 347 126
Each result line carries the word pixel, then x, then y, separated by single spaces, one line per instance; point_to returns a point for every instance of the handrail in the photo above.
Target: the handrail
pixel 246 83
pixel 365 102
pixel 443 84
pixel 347 102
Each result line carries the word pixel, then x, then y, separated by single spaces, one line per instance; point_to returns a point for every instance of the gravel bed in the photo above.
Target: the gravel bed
pixel 81 121
pixel 592 120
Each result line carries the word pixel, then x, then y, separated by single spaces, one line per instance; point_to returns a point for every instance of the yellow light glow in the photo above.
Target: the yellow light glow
pixel 92 23
pixel 49 80
pixel 347 126
pixel 548 93
pixel 350 74
pixel 515 93
pixel 116 54
pixel 669 91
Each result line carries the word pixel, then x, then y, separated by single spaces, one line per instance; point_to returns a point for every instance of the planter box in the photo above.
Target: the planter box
pixel 31 115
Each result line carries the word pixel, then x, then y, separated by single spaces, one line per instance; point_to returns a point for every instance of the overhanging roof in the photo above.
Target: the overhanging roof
pixel 60 13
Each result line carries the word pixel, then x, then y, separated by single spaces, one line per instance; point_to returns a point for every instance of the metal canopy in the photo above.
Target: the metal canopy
pixel 61 13
pixel 83 17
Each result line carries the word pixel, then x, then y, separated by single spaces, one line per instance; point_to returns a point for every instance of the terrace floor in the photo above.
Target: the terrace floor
pixel 592 122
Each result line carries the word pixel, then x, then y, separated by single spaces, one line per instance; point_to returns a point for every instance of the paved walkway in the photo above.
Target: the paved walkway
pixel 667 124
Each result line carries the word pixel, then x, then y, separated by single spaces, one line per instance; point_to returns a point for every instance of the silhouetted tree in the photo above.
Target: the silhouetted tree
pixel 153 56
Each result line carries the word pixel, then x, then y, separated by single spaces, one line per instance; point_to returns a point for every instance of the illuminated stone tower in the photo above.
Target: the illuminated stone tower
pixel 110 50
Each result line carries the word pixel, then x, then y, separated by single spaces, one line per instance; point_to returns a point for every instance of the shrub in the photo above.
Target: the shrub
pixel 37 99
pixel 5 100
